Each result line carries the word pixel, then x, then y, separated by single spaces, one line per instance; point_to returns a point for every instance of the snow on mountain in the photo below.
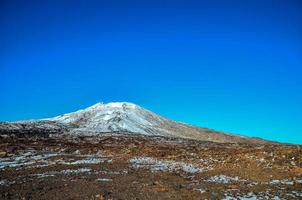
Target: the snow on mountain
pixel 114 117
pixel 120 117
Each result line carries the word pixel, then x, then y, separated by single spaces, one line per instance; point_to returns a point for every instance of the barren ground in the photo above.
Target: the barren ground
pixel 140 167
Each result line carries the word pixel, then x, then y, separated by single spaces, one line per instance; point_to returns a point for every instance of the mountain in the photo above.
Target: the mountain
pixel 121 117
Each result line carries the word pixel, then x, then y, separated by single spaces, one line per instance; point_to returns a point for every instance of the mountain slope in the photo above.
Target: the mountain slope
pixel 122 117
pixel 131 118
pixel 114 117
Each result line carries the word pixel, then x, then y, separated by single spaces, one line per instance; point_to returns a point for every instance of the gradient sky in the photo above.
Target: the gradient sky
pixel 234 66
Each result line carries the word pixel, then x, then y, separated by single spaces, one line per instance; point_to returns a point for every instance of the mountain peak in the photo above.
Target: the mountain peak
pixel 125 117
pixel 101 105
pixel 113 117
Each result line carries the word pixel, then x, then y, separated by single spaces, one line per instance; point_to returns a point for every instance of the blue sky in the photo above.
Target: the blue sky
pixel 234 66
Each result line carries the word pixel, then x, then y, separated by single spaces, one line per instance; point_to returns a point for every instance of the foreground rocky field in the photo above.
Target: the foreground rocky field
pixel 141 167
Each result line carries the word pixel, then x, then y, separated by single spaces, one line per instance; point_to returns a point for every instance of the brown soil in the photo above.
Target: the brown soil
pixel 138 167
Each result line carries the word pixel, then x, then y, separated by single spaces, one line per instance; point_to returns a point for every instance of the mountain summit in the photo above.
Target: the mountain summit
pixel 124 117
pixel 115 117
pixel 121 118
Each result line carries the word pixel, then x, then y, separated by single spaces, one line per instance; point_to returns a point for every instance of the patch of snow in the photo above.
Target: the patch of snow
pixel 25 159
pixel 200 190
pixel 249 196
pixel 284 182
pixel 298 181
pixel 43 175
pixel 87 161
pixel 78 152
pixel 297 194
pixel 76 171
pixel 3 182
pixel 164 165
pixel 66 171
pixel 104 179
pixel 223 179
pixel 34 160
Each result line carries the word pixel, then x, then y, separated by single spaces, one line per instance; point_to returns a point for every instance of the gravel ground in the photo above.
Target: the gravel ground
pixel 141 167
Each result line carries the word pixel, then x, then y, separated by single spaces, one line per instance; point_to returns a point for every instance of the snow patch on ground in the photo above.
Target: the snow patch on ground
pixel 76 171
pixel 200 190
pixel 297 193
pixel 283 182
pixel 164 165
pixel 66 171
pixel 250 196
pixel 298 181
pixel 34 160
pixel 104 179
pixel 5 182
pixel 87 161
pixel 283 193
pixel 223 179
pixel 26 159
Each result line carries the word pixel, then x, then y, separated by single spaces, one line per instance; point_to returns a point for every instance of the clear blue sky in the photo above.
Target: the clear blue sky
pixel 234 66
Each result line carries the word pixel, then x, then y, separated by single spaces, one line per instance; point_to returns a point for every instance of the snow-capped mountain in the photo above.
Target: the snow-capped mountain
pixel 124 118
pixel 115 117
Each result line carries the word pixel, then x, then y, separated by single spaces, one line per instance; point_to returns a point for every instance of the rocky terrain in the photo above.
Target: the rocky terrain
pixel 92 155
